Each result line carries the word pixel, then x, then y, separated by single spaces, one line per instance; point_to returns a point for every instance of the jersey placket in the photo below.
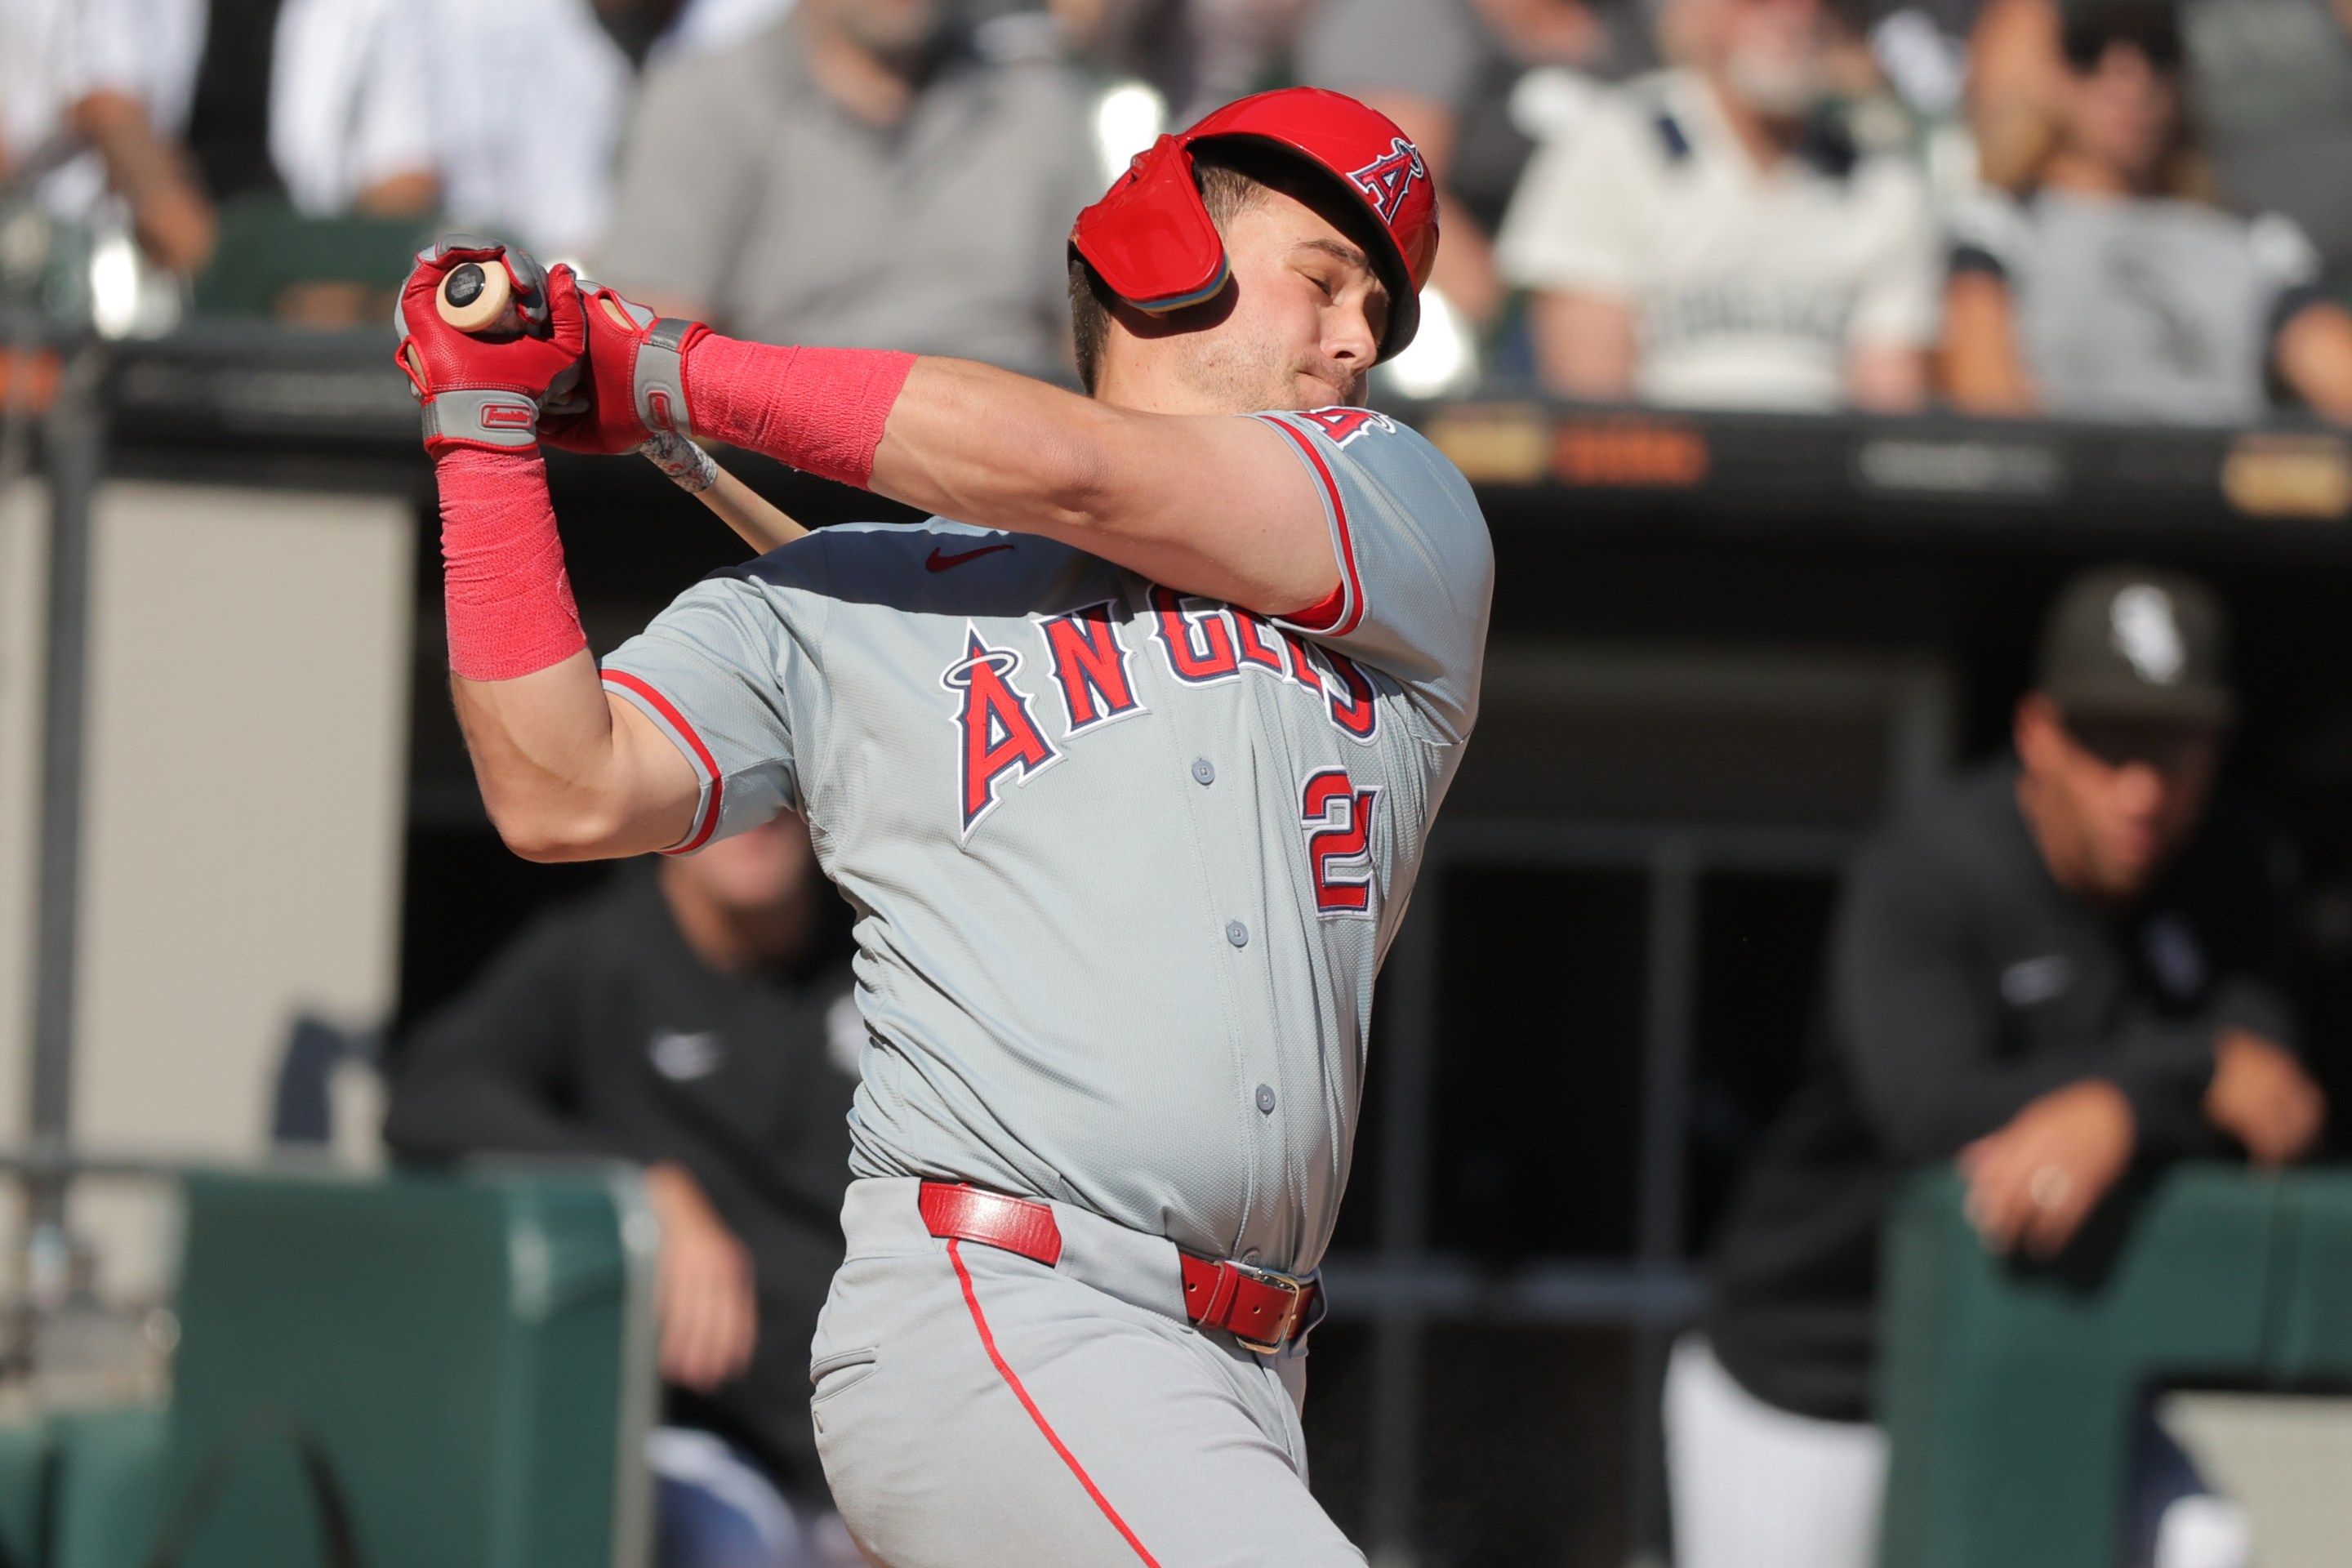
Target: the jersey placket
pixel 1215 755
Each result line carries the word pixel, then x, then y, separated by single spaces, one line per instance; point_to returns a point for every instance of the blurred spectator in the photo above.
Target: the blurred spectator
pixel 96 98
pixel 443 106
pixel 1198 55
pixel 2110 290
pixel 692 1017
pixel 1447 72
pixel 2271 82
pixel 856 174
pixel 1922 50
pixel 446 105
pixel 2060 965
pixel 1711 236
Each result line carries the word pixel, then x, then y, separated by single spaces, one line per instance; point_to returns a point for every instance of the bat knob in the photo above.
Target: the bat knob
pixel 477 298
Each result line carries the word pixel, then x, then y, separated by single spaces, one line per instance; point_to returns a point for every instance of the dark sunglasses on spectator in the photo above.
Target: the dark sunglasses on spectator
pixel 2166 745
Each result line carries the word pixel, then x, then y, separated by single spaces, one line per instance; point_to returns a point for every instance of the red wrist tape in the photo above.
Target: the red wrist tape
pixel 509 598
pixel 821 410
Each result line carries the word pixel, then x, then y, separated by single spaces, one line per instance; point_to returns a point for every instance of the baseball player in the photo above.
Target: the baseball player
pixel 1127 771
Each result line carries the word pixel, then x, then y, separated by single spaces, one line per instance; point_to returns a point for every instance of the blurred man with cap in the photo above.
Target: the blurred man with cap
pixel 2059 965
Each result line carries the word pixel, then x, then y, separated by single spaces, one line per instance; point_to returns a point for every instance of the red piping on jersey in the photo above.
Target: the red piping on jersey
pixel 1350 595
pixel 700 833
pixel 1012 1381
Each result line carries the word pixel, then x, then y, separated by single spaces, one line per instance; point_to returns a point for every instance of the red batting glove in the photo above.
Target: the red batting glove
pixel 637 376
pixel 481 391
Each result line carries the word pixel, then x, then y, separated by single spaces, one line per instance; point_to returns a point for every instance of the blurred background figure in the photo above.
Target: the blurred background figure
pixel 1475 83
pixel 99 100
pixel 2273 85
pixel 2270 82
pixel 439 110
pixel 1713 236
pixel 693 1017
pixel 429 106
pixel 443 107
pixel 2111 288
pixel 858 174
pixel 2063 964
pixel 1198 54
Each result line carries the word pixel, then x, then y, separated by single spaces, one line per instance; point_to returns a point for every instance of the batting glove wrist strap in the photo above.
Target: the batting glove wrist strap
pixel 636 386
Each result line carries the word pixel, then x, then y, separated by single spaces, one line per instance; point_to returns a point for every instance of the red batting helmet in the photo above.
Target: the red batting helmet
pixel 1151 241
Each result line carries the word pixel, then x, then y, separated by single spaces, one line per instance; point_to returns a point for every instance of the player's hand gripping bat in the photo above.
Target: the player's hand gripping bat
pixel 480 300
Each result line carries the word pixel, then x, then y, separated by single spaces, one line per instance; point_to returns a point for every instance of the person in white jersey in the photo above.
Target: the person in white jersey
pixel 1709 237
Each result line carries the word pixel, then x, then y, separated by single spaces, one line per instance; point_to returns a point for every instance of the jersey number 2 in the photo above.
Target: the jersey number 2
pixel 1339 819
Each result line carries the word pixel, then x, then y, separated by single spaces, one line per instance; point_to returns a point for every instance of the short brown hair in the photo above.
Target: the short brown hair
pixel 1227 189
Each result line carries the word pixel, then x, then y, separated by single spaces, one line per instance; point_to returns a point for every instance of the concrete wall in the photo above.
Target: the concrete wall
pixel 245 793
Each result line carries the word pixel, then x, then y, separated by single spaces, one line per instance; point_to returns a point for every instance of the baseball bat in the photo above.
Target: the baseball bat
pixel 479 301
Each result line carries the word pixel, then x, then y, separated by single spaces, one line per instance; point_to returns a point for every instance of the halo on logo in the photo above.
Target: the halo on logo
pixel 956 677
pixel 1388 178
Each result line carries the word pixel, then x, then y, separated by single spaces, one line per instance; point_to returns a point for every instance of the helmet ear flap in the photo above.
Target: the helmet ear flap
pixel 1149 239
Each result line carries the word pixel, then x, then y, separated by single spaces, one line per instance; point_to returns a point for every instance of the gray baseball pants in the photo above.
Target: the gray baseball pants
pixel 975 1408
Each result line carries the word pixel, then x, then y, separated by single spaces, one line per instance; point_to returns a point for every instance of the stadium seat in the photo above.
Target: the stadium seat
pixel 107 1486
pixel 429 1371
pixel 2008 1389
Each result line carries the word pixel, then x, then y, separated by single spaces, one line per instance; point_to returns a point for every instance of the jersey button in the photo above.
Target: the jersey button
pixel 1266 1099
pixel 1203 772
pixel 1237 933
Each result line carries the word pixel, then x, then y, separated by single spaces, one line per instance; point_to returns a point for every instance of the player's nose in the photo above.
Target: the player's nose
pixel 1349 336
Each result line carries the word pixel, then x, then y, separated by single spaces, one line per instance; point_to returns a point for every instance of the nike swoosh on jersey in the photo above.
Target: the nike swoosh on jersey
pixel 938 563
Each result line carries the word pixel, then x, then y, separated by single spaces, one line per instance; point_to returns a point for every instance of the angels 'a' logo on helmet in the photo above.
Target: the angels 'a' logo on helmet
pixel 1388 178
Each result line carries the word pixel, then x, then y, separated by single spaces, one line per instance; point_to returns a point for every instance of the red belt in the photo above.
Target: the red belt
pixel 1263 1308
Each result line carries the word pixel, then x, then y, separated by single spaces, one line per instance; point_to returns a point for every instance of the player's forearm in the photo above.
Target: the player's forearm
pixel 999 450
pixel 562 776
pixel 1205 504
pixel 960 439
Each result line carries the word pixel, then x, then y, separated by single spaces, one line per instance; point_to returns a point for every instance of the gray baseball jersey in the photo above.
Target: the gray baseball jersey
pixel 1124 862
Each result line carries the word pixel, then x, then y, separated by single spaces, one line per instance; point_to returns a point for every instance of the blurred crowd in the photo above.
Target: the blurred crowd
pixel 2132 209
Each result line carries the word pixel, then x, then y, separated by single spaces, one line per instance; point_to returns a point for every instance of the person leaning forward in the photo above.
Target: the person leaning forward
pixel 2059 965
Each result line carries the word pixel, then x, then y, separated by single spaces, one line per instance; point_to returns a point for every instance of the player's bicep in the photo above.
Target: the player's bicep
pixel 1415 566
pixel 659 784
pixel 709 689
pixel 1218 507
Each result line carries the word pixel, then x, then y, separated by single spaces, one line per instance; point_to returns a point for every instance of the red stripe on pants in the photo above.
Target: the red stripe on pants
pixel 1012 1381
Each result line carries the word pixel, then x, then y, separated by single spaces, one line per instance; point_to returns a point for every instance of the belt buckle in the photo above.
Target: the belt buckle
pixel 1288 1325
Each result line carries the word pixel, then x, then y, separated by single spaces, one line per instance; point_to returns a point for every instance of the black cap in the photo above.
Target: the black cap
pixel 2126 642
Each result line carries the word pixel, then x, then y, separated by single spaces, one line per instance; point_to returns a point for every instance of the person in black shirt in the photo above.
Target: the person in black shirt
pixel 2060 965
pixel 695 1017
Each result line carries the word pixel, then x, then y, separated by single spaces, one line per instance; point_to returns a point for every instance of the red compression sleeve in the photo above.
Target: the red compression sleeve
pixel 821 410
pixel 509 599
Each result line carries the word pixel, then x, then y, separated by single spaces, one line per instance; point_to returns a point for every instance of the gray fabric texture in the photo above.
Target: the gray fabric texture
pixel 2141 309
pixel 745 188
pixel 1044 886
pixel 1193 1442
pixel 1434 48
pixel 2273 85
